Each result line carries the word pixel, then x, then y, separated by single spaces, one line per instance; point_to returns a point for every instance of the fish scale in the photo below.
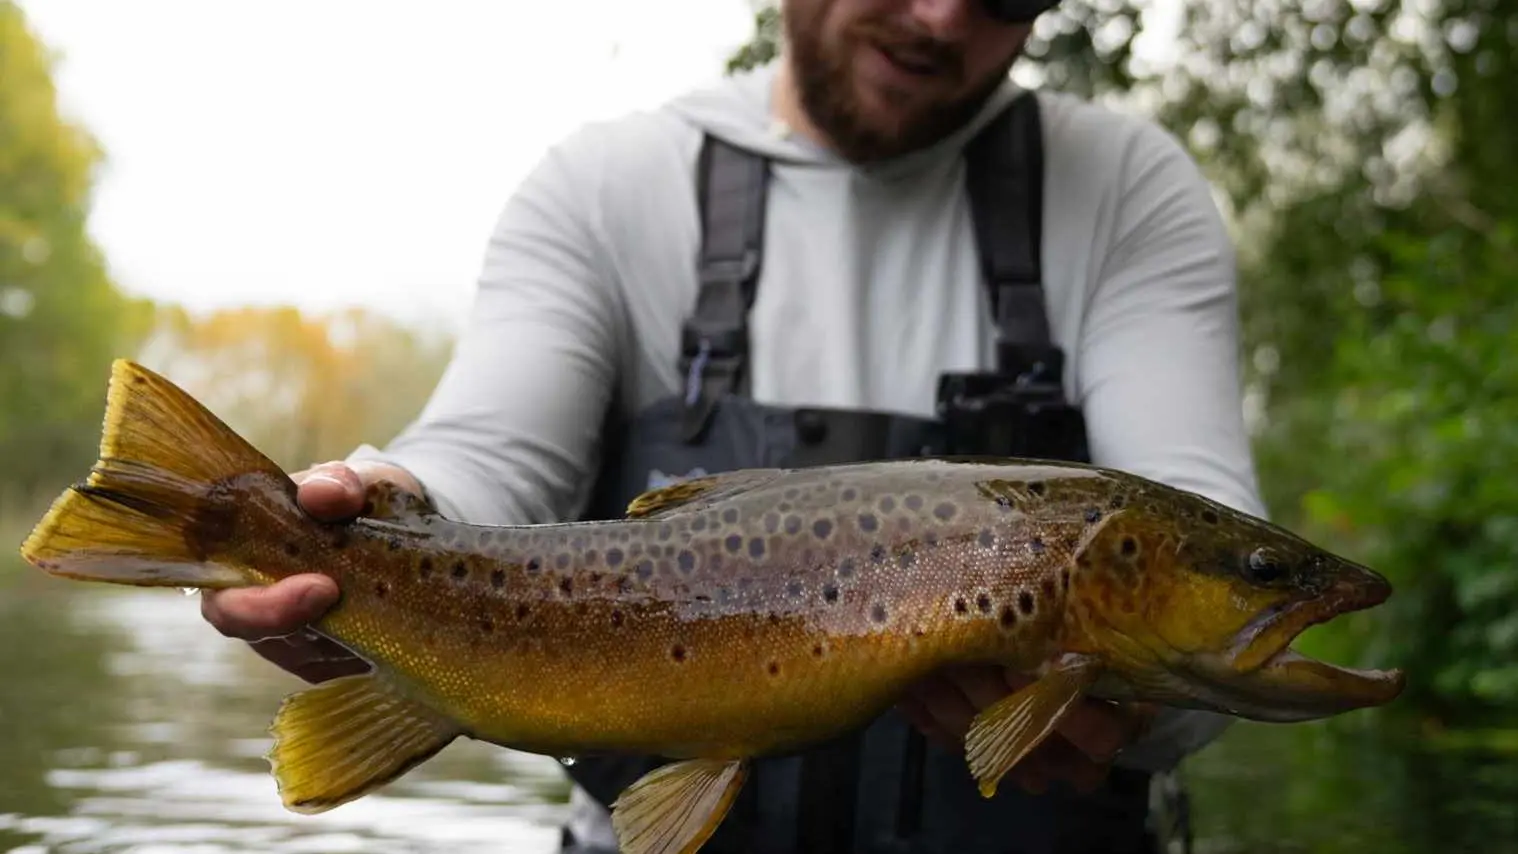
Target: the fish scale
pixel 728 617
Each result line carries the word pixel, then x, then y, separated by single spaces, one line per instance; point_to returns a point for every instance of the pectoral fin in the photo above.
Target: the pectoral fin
pixel 348 736
pixel 1002 734
pixel 675 808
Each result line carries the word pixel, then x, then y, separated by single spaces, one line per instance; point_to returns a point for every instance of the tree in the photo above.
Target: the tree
pixel 61 317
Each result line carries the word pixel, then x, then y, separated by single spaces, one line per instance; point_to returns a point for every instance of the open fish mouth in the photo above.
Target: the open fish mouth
pixel 1265 679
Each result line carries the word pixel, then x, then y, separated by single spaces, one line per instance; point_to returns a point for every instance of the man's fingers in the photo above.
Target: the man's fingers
pixel 251 613
pixel 919 716
pixel 949 708
pixel 330 491
pixel 981 685
pixel 1101 729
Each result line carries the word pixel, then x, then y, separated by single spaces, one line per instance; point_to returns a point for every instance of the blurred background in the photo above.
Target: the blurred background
pixel 283 205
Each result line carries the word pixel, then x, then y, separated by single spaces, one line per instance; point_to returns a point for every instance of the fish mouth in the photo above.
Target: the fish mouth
pixel 1270 681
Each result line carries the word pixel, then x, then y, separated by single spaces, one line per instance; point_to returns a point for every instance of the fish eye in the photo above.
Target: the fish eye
pixel 1263 567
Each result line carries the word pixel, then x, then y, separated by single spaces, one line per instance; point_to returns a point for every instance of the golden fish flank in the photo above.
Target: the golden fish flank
pixel 726 618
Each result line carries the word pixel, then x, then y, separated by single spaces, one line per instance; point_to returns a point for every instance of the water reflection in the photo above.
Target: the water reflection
pixel 130 726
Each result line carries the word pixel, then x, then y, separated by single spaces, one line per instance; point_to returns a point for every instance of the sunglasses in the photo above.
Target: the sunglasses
pixel 1016 11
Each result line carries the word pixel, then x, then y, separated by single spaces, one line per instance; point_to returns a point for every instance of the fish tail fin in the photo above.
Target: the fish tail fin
pixel 158 499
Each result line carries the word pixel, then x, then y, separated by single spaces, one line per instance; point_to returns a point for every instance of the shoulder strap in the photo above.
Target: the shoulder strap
pixel 1004 173
pixel 731 188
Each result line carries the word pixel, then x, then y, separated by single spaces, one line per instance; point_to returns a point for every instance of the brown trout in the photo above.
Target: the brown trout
pixel 726 618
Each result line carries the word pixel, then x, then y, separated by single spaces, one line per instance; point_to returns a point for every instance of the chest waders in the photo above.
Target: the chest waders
pixel 884 790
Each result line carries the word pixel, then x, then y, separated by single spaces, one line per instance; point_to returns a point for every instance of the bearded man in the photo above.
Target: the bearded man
pixel 792 267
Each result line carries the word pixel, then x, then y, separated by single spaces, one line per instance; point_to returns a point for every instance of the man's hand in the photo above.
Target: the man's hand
pixel 272 619
pixel 1079 751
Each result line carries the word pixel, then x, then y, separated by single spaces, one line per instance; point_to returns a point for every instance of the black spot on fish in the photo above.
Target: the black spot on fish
pixel 534 565
pixel 1008 617
pixel 1064 579
pixel 846 568
pixel 774 668
pixel 1209 516
pixel 522 611
pixel 686 561
pixel 793 524
pixel 460 570
pixel 424 568
pixel 567 586
pixel 595 578
pixel 393 543
pixel 614 557
pixel 1004 502
pixel 1025 602
pixel 698 523
pixel 878 613
pixel 830 592
pixel 1117 501
pixel 1093 514
pixel 756 548
pixel 983 602
pixel 887 504
pixel 793 589
pixel 624 584
pixel 906 559
pixel 562 561
pixel 822 528
pixel 1038 488
pixel 1036 545
pixel 1130 547
pixel 498 578
pixel 645 569
pixel 849 494
pixel 945 511
pixel 960 606
pixel 878 553
pixel 930 539
pixel 677 652
pixel 730 515
pixel 617 619
pixel 734 542
pixel 914 503
pixel 292 549
pixel 868 522
pixel 381 588
pixel 817 650
pixel 487 625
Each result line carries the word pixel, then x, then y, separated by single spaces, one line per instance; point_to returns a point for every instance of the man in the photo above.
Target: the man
pixel 869 292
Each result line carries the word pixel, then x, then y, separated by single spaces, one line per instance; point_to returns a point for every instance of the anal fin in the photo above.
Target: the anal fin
pixel 349 736
pixel 675 808
pixel 1005 732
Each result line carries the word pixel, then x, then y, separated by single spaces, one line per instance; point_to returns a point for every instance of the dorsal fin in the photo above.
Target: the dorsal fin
pixel 698 491
pixel 385 501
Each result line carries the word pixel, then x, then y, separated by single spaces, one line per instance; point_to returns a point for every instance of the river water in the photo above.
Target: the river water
pixel 128 725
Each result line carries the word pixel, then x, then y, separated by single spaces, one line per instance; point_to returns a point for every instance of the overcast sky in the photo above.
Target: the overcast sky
pixel 331 152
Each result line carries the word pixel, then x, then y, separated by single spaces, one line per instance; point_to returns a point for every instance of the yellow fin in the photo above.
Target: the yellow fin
pixel 675 808
pixel 349 736
pixel 706 489
pixel 1002 734
pixel 135 519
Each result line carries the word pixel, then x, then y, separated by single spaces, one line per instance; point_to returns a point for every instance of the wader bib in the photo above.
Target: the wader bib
pixel 885 789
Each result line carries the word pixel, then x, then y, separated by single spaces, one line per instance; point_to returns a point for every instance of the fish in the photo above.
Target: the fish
pixel 724 617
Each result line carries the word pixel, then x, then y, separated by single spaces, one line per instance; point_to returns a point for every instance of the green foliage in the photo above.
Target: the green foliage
pixel 763 47
pixel 61 318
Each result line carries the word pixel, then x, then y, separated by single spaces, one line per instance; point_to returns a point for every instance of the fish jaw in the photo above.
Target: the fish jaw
pixel 1262 678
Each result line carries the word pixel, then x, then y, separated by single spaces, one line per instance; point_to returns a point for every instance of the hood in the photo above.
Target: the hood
pixel 737 109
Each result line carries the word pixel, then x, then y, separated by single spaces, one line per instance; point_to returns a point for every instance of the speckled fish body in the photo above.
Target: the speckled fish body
pixel 752 623
pixel 727 617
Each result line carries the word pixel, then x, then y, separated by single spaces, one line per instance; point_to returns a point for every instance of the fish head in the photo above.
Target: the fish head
pixel 1192 603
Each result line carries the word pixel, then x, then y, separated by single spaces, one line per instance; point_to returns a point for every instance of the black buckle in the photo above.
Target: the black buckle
pixel 1018 411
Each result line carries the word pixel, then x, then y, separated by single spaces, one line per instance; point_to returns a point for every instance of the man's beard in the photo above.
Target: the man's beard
pixel 825 84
